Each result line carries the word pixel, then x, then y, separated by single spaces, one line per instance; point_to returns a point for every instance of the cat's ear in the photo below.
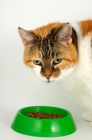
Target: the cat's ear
pixel 27 37
pixel 64 34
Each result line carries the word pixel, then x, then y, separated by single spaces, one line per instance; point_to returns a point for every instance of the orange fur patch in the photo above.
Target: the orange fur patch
pixel 28 58
pixel 45 30
pixel 86 27
pixel 70 57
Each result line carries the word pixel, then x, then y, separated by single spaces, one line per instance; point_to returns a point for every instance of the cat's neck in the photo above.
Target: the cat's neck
pixel 84 50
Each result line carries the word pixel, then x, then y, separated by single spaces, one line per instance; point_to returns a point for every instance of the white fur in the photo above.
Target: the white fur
pixel 82 74
pixel 87 116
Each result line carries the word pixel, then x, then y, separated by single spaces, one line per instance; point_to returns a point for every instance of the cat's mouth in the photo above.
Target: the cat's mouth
pixel 49 80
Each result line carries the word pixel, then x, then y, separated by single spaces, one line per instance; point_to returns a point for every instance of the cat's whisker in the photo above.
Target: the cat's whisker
pixel 65 84
pixel 66 80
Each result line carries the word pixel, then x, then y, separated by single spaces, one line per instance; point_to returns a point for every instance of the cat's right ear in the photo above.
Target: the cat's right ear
pixel 27 37
pixel 65 34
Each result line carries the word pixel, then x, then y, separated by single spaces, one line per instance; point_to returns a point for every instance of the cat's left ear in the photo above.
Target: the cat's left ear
pixel 27 37
pixel 64 34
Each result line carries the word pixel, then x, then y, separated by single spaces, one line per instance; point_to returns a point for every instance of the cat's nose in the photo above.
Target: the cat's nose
pixel 48 76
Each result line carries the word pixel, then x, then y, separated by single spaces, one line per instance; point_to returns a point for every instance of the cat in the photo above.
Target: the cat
pixel 63 52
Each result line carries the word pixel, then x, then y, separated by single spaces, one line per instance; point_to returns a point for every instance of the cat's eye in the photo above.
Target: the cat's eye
pixel 37 62
pixel 57 61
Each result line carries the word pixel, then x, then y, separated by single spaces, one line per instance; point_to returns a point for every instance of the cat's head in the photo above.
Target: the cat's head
pixel 50 50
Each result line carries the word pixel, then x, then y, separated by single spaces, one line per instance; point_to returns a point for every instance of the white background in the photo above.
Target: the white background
pixel 18 86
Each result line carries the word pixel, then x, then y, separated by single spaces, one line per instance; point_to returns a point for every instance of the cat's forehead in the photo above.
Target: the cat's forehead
pixel 46 40
pixel 46 50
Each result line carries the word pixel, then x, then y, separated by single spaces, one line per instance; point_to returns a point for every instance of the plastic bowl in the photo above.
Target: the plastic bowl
pixel 44 127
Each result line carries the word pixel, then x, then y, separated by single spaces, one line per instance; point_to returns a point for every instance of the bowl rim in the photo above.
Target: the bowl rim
pixel 20 112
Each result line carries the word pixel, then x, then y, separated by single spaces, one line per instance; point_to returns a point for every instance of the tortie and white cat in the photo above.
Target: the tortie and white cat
pixel 60 50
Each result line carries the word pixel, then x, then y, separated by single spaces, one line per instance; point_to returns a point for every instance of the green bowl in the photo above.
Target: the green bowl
pixel 44 127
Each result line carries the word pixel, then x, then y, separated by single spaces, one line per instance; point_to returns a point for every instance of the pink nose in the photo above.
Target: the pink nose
pixel 47 76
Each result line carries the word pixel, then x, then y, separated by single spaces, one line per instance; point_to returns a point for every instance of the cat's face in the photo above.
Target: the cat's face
pixel 50 50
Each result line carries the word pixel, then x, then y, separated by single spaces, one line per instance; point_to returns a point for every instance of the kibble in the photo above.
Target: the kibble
pixel 43 115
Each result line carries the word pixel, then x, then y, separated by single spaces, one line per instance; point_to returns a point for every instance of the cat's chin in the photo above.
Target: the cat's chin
pixel 48 81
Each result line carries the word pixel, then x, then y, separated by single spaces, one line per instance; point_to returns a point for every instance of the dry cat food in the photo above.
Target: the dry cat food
pixel 43 115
